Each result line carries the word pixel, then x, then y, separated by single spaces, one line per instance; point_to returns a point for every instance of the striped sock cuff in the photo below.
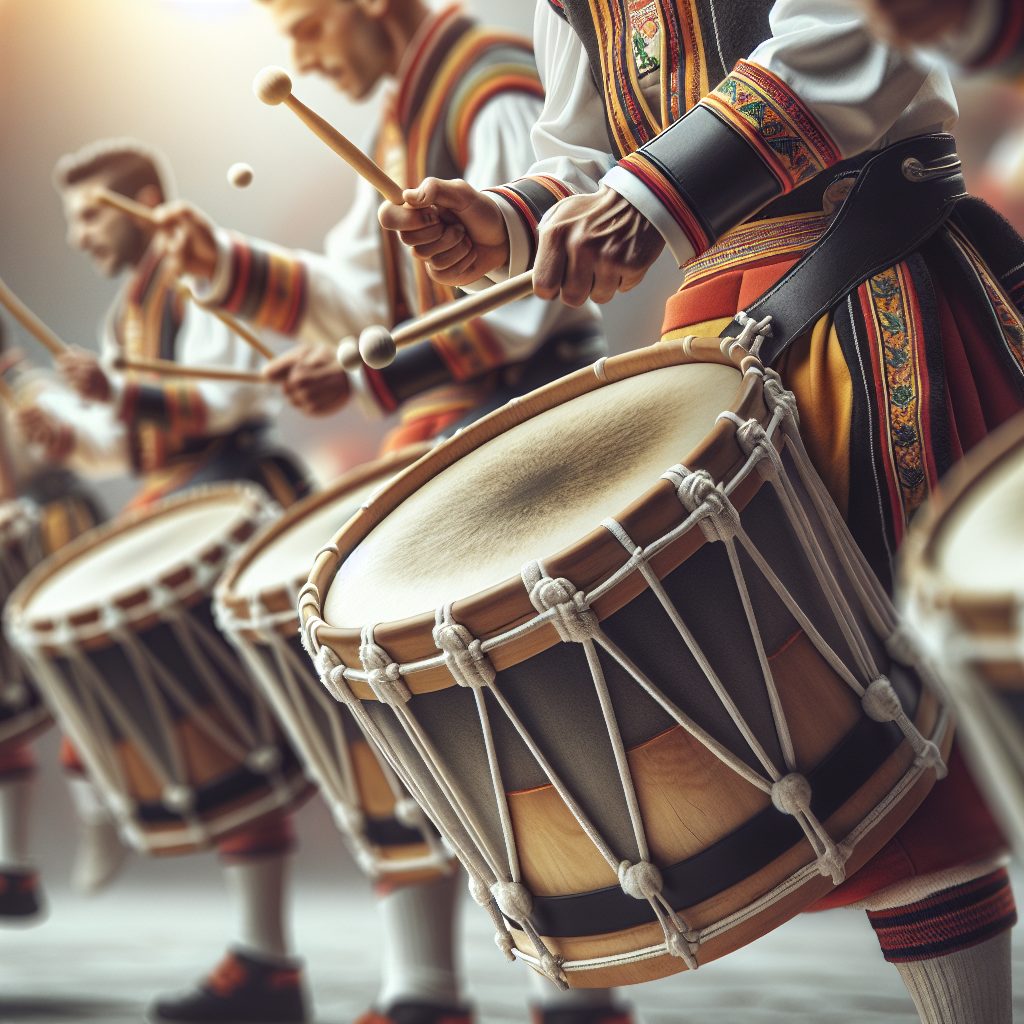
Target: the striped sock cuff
pixel 947 921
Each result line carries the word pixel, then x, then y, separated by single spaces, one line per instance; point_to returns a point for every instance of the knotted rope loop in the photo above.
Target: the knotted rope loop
pixel 753 333
pixel 514 900
pixel 350 820
pixel 641 880
pixel 178 799
pixel 463 653
pixel 385 675
pixel 781 398
pixel 756 443
pixel 702 498
pixel 792 795
pixel 573 618
pixel 162 599
pixel 332 675
pixel 881 703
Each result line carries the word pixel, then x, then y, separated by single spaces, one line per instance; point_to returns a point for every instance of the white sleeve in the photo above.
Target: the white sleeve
pixel 100 445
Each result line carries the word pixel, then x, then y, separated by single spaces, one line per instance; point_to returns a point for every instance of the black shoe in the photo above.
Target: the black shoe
pixel 241 990
pixel 581 1015
pixel 418 1013
pixel 20 895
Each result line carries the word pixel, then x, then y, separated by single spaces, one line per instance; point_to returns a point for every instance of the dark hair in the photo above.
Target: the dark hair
pixel 126 166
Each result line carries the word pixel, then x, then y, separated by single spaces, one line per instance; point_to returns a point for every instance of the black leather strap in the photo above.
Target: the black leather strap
pixel 901 197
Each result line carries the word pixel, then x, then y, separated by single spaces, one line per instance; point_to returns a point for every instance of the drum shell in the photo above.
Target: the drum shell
pixel 865 775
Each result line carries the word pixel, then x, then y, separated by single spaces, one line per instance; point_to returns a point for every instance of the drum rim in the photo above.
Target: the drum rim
pixel 925 585
pixel 251 503
pixel 506 604
pixel 281 597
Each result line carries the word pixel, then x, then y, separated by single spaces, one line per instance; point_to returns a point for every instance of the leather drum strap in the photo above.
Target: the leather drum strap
pixel 901 197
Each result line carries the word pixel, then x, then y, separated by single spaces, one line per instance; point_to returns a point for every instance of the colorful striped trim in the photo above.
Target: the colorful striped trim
pixel 497 80
pixel 663 185
pixel 177 410
pixel 1007 43
pixel 268 287
pixel 952 920
pixel 772 118
pixel 756 242
pixel 532 197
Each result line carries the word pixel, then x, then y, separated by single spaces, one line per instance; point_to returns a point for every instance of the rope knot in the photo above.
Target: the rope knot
pixel 779 397
pixel 881 702
pixel 573 618
pixel 263 760
pixel 178 799
pixel 702 498
pixel 641 880
pixel 792 794
pixel 513 899
pixel 385 675
pixel 332 674
pixel 479 891
pixel 679 946
pixel 350 820
pixel 754 441
pixel 463 653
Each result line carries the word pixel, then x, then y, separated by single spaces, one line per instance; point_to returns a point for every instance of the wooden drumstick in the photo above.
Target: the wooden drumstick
pixel 273 86
pixel 136 210
pixel 230 322
pixel 169 368
pixel 378 346
pixel 31 322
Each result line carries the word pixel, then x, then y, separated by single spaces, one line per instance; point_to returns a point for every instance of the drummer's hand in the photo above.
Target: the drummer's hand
pixel 85 375
pixel 44 430
pixel 592 246
pixel 186 237
pixel 457 231
pixel 311 378
pixel 915 22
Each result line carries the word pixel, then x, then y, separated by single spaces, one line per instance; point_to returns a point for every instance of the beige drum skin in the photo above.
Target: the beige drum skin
pixel 255 607
pixel 962 587
pixel 617 640
pixel 117 628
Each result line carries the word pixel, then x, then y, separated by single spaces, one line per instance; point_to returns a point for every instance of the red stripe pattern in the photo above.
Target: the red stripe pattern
pixel 268 287
pixel 954 919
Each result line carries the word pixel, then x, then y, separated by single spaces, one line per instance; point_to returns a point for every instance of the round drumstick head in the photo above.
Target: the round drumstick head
pixel 240 175
pixel 348 355
pixel 272 86
pixel 377 347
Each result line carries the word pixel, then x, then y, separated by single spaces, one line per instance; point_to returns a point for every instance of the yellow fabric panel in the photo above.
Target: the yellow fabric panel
pixel 815 370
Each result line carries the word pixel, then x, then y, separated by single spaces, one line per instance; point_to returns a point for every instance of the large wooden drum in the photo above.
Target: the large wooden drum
pixel 22 711
pixel 962 582
pixel 117 628
pixel 617 640
pixel 255 607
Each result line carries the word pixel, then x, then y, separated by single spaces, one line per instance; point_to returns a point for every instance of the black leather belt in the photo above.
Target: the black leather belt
pixel 900 198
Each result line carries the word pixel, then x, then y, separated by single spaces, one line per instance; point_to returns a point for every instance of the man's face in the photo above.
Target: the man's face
pixel 336 39
pixel 110 238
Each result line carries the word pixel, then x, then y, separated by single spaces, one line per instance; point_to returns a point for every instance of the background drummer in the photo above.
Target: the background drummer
pixel 810 89
pixel 43 473
pixel 462 102
pixel 174 434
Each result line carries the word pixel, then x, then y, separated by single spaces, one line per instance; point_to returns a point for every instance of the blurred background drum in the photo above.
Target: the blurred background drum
pixel 679 728
pixel 963 588
pixel 255 607
pixel 117 627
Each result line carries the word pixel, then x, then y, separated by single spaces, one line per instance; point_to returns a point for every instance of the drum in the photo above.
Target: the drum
pixel 618 642
pixel 22 712
pixel 962 584
pixel 255 608
pixel 117 628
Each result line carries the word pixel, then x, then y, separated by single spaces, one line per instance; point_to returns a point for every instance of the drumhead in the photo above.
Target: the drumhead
pixel 285 559
pixel 980 546
pixel 528 493
pixel 138 554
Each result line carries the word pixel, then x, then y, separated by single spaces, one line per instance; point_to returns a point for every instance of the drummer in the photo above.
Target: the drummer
pixel 462 100
pixel 176 434
pixel 42 474
pixel 895 381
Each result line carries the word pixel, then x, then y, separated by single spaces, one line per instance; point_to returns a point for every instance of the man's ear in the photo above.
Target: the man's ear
pixel 149 195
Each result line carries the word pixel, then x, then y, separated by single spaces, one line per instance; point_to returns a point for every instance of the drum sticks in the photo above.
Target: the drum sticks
pixel 273 86
pixel 169 368
pixel 31 322
pixel 231 323
pixel 378 346
pixel 137 211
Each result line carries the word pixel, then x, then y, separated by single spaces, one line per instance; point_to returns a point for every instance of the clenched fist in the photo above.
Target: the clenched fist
pixel 186 238
pixel 43 430
pixel 85 374
pixel 311 379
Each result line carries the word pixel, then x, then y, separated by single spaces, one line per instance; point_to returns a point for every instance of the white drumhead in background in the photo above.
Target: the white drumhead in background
pixel 532 491
pixel 288 558
pixel 980 549
pixel 137 556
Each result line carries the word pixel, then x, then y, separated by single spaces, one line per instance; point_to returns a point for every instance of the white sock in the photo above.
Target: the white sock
pixel 419 943
pixel 101 853
pixel 258 889
pixel 546 995
pixel 15 811
pixel 970 986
